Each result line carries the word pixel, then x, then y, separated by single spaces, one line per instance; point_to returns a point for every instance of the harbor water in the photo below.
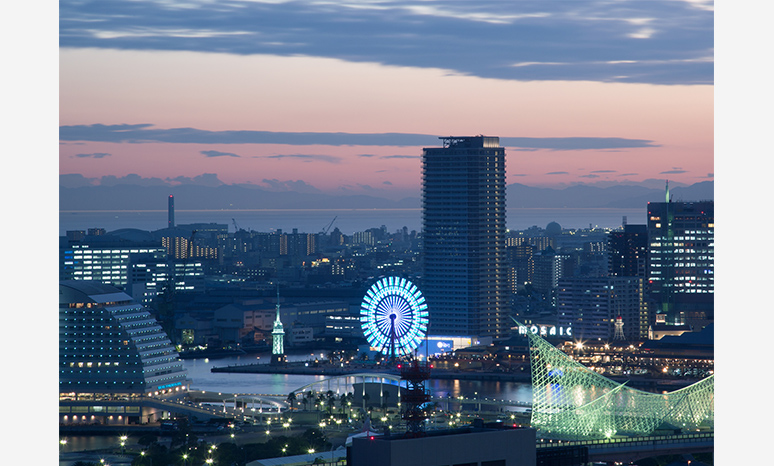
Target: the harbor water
pixel 199 371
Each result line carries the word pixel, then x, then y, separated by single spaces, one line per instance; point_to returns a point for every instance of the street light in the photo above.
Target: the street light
pixel 123 443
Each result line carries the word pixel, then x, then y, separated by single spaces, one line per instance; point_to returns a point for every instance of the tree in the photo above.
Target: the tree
pixel 330 397
pixel 147 439
pixel 343 402
pixel 315 439
pixel 292 399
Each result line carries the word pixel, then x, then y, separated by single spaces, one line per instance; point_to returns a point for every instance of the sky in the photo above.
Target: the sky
pixel 342 96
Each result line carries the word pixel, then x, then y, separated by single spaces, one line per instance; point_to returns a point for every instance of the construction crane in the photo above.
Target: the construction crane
pixel 325 230
pixel 236 227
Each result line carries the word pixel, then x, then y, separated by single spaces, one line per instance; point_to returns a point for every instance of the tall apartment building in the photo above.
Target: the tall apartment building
pixel 681 256
pixel 591 306
pixel 627 251
pixel 521 263
pixel 548 269
pixel 465 278
pixel 300 245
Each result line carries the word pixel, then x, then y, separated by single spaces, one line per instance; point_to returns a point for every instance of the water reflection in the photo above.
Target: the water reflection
pixel 199 371
pixel 282 384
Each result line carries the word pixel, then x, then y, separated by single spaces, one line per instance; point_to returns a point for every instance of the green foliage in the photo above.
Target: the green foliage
pixel 147 439
pixel 229 453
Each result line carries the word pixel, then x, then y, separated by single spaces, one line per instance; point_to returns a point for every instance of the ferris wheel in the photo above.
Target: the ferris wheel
pixel 393 316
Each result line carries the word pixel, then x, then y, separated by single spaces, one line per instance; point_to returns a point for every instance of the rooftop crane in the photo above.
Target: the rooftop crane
pixel 325 230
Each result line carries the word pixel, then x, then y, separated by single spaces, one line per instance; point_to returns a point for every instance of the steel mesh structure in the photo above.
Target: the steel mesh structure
pixel 570 401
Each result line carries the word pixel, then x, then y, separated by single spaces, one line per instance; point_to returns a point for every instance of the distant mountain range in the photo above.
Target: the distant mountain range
pixel 196 197
pixel 621 196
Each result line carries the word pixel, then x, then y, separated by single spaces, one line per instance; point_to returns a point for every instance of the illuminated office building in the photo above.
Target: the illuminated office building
pixel 465 279
pixel 681 256
pixel 104 260
pixel 141 268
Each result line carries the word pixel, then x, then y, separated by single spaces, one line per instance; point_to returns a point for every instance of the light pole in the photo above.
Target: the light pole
pixel 123 443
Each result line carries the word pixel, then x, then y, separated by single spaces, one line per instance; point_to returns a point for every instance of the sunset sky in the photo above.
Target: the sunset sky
pixel 341 96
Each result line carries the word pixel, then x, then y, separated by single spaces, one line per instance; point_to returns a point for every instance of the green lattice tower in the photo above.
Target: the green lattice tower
pixel 571 401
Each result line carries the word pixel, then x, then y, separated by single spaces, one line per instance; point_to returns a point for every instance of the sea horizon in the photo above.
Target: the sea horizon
pixel 348 221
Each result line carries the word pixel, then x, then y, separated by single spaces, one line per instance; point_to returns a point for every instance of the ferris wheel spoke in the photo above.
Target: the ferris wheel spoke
pixel 393 316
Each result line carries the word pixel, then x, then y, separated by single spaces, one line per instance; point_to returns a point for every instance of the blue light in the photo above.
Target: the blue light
pixel 394 302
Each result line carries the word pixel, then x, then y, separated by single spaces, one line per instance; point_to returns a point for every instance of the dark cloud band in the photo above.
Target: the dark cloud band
pixel 526 40
pixel 145 133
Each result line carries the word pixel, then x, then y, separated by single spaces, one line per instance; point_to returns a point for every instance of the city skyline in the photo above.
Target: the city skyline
pixel 342 97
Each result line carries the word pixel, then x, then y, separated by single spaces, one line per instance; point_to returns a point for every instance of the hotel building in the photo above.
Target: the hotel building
pixel 465 277
pixel 113 357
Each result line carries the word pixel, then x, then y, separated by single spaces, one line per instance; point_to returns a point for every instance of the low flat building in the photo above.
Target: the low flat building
pixel 467 446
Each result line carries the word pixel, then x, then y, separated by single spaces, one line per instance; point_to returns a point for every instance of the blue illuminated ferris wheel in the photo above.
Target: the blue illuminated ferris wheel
pixel 393 316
